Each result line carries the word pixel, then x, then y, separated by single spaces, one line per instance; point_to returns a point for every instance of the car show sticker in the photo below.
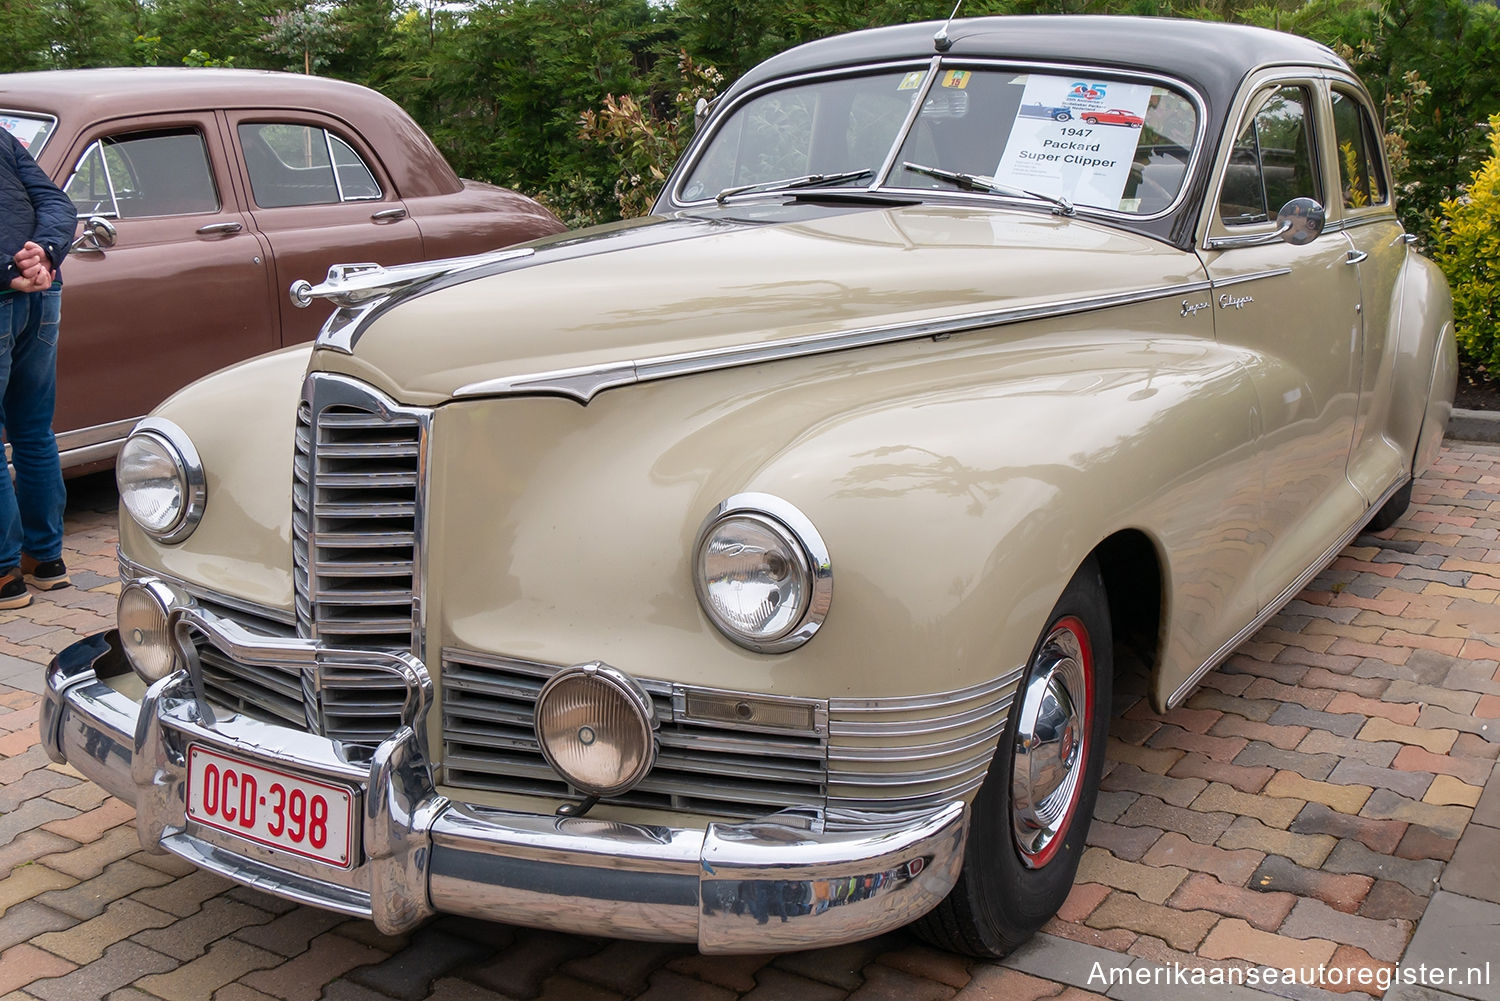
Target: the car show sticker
pixel 1054 150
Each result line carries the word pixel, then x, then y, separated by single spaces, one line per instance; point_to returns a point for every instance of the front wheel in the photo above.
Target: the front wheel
pixel 1029 821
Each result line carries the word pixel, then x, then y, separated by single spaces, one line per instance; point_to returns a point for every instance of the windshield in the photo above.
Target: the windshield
pixel 1061 139
pixel 31 131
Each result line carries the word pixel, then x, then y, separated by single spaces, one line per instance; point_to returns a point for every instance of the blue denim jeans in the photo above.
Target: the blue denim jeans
pixel 31 509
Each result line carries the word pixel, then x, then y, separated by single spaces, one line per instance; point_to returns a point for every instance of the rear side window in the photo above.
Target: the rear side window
pixel 1361 174
pixel 1273 159
pixel 293 164
pixel 141 174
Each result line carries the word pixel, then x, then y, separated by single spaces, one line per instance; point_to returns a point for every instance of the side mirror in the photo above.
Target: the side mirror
pixel 97 236
pixel 1301 221
pixel 700 113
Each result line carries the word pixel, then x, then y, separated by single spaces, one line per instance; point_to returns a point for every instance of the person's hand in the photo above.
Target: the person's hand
pixel 35 267
pixel 26 283
pixel 29 257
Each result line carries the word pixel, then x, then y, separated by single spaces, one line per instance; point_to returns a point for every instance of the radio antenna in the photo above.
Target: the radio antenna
pixel 941 41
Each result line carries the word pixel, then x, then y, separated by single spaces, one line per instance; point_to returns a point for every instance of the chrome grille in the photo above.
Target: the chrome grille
pixel 489 743
pixel 360 706
pixel 356 483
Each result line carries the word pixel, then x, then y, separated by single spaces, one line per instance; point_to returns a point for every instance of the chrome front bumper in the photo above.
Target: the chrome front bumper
pixel 750 887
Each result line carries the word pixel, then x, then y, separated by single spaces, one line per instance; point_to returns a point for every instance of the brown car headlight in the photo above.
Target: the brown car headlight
pixel 145 632
pixel 762 573
pixel 596 728
pixel 161 480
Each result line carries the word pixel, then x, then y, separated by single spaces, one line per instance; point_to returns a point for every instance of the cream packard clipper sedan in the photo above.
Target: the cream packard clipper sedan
pixel 755 574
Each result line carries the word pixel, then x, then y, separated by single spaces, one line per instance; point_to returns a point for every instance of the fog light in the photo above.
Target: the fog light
pixel 145 635
pixel 595 728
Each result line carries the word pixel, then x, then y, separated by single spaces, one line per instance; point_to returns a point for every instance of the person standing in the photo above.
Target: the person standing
pixel 36 229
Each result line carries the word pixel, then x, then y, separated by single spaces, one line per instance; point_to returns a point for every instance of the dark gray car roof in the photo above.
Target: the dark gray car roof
pixel 1211 56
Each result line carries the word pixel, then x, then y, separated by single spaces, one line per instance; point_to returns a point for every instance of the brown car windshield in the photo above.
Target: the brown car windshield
pixel 1064 139
pixel 31 131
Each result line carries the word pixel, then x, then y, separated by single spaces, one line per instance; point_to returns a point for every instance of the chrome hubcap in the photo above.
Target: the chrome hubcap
pixel 1051 742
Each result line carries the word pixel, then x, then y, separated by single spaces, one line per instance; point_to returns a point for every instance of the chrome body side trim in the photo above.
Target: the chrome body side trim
pixel 1287 594
pixel 583 384
pixel 717 885
pixel 1219 283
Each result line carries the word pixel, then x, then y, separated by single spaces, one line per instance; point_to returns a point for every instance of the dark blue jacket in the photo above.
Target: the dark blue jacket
pixel 31 208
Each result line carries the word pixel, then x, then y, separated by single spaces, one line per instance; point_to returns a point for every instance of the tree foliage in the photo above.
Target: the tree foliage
pixel 1468 250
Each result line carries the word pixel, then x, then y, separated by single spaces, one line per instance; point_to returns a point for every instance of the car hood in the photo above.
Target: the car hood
pixel 589 311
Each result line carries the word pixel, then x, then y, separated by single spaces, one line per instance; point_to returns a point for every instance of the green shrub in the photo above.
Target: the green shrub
pixel 1468 251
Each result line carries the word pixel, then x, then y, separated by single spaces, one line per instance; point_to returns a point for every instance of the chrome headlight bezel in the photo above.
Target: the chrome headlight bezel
pixel 806 555
pixel 188 478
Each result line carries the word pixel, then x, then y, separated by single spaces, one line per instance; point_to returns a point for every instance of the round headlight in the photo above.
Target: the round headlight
pixel 762 573
pixel 145 635
pixel 595 728
pixel 161 480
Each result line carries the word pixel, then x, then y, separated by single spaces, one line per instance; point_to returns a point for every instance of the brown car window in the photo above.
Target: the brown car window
pixel 1360 178
pixel 142 174
pixel 292 164
pixel 1273 159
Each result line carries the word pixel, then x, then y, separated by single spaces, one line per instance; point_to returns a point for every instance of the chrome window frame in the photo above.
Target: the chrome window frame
pixel 932 66
pixel 333 167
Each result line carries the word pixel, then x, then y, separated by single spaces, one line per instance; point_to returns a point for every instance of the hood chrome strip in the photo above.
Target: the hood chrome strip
pixel 584 383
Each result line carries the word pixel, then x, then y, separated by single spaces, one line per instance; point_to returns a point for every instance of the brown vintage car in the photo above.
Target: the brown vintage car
pixel 202 194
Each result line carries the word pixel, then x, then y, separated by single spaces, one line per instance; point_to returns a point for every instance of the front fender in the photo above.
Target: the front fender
pixel 242 420
pixel 957 484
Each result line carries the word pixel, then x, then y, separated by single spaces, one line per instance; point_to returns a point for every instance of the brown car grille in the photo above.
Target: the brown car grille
pixel 489 743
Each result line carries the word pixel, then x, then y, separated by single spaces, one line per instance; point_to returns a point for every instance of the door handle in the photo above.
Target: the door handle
pixel 388 214
pixel 1355 256
pixel 219 229
pixel 1406 238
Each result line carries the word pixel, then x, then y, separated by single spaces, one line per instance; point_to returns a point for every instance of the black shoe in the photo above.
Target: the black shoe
pixel 13 593
pixel 44 575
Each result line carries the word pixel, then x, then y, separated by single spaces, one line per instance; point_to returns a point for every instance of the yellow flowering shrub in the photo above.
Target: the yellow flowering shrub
pixel 1468 250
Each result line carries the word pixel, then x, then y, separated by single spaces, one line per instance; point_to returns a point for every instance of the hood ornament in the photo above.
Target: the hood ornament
pixel 353 285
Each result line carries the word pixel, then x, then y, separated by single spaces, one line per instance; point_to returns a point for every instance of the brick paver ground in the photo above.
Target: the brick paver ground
pixel 1298 810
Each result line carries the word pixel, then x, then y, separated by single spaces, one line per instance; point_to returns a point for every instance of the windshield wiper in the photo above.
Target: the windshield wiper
pixel 788 183
pixel 989 185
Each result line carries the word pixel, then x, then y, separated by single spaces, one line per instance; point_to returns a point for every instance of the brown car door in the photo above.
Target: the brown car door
pixel 183 288
pixel 321 197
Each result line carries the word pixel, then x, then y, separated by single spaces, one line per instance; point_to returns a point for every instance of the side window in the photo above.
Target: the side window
pixel 144 174
pixel 1361 177
pixel 293 164
pixel 1273 160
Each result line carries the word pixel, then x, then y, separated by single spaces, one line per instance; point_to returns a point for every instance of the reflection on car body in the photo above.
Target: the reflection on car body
pixel 756 574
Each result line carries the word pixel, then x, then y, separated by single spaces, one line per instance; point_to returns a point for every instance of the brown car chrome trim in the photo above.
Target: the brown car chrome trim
pixel 583 384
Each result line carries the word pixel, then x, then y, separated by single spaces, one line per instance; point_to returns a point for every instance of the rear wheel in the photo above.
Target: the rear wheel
pixel 1031 816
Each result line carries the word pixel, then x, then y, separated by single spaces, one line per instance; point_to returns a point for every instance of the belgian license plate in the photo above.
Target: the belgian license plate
pixel 271 807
